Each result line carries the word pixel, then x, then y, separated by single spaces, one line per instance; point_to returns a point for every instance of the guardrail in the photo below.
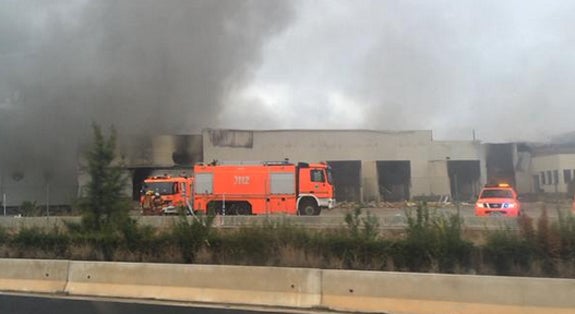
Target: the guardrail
pixel 340 290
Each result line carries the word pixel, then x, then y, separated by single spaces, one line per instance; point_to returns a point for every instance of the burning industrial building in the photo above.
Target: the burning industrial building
pixel 145 67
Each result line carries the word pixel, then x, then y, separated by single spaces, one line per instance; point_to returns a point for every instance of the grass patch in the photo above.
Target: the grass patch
pixel 431 242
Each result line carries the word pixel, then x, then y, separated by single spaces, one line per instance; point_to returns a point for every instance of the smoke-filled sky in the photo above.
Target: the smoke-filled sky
pixel 144 66
pixel 503 68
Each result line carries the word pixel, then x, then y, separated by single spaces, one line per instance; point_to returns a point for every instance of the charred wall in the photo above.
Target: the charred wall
pixel 231 138
pixel 188 150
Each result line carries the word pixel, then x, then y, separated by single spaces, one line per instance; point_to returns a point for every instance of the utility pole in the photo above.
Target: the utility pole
pixel 47 199
pixel 456 196
pixel 47 179
pixel 2 192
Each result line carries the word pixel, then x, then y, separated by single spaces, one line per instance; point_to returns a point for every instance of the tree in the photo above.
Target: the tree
pixel 104 206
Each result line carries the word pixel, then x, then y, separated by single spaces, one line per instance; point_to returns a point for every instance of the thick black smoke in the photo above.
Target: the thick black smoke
pixel 145 66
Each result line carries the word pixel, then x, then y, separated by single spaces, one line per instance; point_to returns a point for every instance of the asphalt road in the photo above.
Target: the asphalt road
pixel 388 217
pixel 26 304
pixel 465 210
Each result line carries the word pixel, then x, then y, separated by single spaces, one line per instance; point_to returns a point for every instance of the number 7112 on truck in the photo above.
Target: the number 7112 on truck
pixel 263 188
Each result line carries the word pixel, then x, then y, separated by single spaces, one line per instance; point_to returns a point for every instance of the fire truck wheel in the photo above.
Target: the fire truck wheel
pixel 307 208
pixel 317 211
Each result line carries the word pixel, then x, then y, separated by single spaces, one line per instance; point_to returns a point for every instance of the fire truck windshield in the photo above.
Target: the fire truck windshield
pixel 164 188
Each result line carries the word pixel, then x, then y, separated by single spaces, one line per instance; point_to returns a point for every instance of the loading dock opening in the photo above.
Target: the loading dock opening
pixel 499 163
pixel 394 179
pixel 464 177
pixel 138 177
pixel 347 180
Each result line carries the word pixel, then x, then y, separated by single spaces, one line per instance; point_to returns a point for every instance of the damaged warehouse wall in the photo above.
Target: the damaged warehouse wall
pixel 332 145
pixel 364 161
pixel 464 166
pixel 144 156
pixel 510 163
pixel 426 175
pixel 435 168
pixel 355 156
pixel 171 155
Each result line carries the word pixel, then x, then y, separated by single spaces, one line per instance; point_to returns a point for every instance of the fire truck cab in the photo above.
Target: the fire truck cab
pixel 263 188
pixel 162 195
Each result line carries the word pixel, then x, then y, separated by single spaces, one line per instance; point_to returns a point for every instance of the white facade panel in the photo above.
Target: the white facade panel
pixel 456 150
pixel 554 167
pixel 417 147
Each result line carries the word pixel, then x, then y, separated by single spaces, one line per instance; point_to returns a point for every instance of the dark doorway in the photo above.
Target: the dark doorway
pixel 463 179
pixel 536 184
pixel 138 177
pixel 346 179
pixel 499 163
pixel 394 180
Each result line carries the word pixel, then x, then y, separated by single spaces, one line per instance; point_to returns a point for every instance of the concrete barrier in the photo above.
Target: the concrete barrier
pixel 356 291
pixel 438 293
pixel 273 286
pixel 29 275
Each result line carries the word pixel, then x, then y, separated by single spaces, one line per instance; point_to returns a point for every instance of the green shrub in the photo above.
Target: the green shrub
pixel 366 228
pixel 55 241
pixel 432 242
pixel 29 209
pixel 508 253
pixel 142 242
pixel 353 252
pixel 4 236
pixel 566 230
pixel 190 235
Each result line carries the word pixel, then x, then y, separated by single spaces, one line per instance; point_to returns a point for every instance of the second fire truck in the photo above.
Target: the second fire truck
pixel 162 195
pixel 263 188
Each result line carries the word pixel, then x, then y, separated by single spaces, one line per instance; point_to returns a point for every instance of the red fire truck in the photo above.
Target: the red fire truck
pixel 162 195
pixel 263 188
